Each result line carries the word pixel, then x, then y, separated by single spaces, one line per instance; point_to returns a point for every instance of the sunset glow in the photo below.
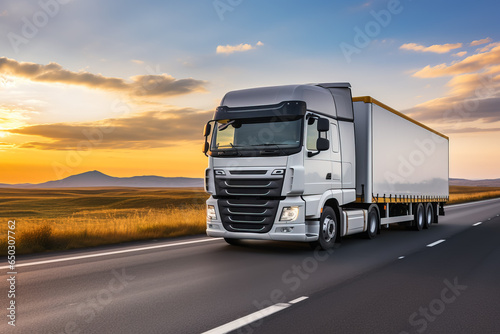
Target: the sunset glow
pixel 125 88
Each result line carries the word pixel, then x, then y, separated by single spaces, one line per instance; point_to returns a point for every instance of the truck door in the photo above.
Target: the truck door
pixel 318 168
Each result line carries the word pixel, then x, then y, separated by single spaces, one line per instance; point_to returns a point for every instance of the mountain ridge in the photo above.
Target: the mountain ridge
pixel 96 178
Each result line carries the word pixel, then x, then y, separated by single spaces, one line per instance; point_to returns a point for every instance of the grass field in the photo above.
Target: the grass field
pixel 460 194
pixel 58 219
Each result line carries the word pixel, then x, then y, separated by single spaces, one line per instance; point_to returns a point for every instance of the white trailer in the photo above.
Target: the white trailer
pixel 309 163
pixel 399 160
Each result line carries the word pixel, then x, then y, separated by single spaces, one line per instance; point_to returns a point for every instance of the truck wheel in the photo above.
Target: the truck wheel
pixel 419 217
pixel 328 229
pixel 232 241
pixel 429 215
pixel 373 223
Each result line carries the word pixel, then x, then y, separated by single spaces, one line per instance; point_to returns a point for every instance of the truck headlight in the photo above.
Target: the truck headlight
pixel 289 213
pixel 211 215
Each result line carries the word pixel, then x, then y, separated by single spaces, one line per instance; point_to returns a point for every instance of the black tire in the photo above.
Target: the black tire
pixel 373 222
pixel 328 230
pixel 418 217
pixel 429 215
pixel 232 241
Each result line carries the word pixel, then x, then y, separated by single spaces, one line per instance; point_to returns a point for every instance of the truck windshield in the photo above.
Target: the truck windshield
pixel 280 136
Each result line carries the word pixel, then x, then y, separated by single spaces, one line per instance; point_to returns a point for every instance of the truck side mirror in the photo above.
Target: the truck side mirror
pixel 322 144
pixel 206 133
pixel 207 129
pixel 323 125
pixel 205 147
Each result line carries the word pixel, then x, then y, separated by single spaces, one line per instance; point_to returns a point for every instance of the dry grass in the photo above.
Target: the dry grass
pixel 136 214
pixel 58 219
pixel 461 194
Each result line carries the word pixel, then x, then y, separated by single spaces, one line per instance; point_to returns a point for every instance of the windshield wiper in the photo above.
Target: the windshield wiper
pixel 267 144
pixel 229 151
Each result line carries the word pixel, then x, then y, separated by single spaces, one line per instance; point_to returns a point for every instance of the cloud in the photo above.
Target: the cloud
pixel 473 97
pixel 460 54
pixel 488 47
pixel 140 131
pixel 136 61
pixel 228 49
pixel 472 63
pixel 480 41
pixel 437 48
pixel 158 85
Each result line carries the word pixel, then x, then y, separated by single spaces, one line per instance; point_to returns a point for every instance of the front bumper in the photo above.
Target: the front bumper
pixel 298 230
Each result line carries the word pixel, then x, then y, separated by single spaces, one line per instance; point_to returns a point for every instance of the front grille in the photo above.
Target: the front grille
pixel 248 172
pixel 249 187
pixel 248 204
pixel 248 214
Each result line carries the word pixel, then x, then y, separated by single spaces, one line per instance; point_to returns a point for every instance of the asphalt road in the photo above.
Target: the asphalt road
pixel 395 283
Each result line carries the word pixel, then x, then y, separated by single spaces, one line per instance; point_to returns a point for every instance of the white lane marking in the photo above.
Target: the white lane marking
pixel 246 320
pixel 452 206
pixel 478 223
pixel 401 257
pixel 298 300
pixel 436 243
pixel 110 253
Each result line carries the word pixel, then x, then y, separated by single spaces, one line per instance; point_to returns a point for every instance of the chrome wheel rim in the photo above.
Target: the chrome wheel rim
pixel 328 228
pixel 373 224
pixel 420 217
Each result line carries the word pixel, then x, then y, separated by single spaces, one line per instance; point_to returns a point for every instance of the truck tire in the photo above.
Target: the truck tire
pixel 328 229
pixel 418 217
pixel 232 241
pixel 373 222
pixel 429 215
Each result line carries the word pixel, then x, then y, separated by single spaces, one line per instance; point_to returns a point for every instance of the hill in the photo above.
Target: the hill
pixel 475 183
pixel 98 179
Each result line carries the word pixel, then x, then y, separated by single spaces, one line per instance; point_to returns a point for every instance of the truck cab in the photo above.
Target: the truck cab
pixel 282 166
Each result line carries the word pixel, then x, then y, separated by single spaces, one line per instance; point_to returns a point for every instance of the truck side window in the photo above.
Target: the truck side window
pixel 312 134
pixel 335 138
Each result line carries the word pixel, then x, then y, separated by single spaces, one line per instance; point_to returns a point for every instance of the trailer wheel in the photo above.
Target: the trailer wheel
pixel 328 229
pixel 373 222
pixel 232 241
pixel 429 215
pixel 419 217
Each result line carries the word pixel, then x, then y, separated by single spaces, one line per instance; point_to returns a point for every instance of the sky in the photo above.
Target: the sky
pixel 125 87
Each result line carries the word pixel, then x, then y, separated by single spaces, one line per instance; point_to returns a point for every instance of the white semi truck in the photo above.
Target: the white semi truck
pixel 310 163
